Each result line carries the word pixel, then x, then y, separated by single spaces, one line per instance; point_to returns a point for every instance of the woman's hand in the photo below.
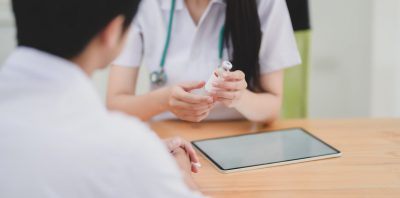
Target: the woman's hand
pixel 230 88
pixel 173 145
pixel 189 106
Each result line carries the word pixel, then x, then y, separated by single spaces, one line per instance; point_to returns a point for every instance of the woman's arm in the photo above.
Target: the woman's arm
pixel 257 107
pixel 121 94
pixel 176 99
pixel 263 107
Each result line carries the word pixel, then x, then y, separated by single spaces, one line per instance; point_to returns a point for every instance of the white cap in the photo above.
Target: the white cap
pixel 226 65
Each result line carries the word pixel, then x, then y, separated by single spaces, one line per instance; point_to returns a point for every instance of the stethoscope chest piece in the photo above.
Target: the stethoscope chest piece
pixel 158 78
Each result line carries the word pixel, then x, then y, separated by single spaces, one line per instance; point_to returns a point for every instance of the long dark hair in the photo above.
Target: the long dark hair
pixel 242 27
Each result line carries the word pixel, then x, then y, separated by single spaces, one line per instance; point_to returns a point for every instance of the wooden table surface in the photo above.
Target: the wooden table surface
pixel 369 166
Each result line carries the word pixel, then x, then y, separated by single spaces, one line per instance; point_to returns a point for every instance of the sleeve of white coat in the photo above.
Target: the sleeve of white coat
pixel 278 45
pixel 154 166
pixel 162 175
pixel 132 52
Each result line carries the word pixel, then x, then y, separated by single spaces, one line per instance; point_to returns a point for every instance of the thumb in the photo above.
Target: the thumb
pixel 189 86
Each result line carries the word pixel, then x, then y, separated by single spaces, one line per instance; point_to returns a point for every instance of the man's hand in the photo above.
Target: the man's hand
pixel 175 143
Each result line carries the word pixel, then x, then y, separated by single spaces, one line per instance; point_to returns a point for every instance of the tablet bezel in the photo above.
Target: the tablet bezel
pixel 270 164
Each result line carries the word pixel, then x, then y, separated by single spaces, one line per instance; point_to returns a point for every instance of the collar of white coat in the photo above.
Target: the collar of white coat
pixel 42 65
pixel 166 4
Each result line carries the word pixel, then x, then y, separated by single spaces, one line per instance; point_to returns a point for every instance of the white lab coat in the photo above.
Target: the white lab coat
pixel 58 140
pixel 193 50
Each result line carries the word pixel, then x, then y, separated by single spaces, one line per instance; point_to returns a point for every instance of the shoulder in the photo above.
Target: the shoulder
pixel 265 7
pixel 150 5
pixel 270 3
pixel 149 10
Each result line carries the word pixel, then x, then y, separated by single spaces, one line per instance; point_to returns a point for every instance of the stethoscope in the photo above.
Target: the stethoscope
pixel 159 77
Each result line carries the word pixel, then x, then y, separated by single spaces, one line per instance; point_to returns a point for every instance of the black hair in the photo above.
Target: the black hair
pixel 65 27
pixel 243 29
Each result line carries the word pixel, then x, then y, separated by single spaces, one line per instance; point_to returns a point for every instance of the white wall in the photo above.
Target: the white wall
pixel 385 93
pixel 7 30
pixel 340 58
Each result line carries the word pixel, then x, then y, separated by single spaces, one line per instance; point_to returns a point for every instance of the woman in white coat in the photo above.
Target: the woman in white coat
pixel 182 42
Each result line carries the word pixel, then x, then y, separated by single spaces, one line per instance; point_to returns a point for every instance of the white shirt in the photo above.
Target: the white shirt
pixel 58 140
pixel 193 50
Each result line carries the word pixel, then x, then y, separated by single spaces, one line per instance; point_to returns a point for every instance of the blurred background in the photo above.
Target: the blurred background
pixel 354 58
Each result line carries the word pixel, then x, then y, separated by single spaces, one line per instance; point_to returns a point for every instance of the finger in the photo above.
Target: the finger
pixel 176 142
pixel 194 159
pixel 230 85
pixel 202 109
pixel 234 76
pixel 188 106
pixel 192 113
pixel 187 97
pixel 227 103
pixel 195 167
pixel 169 144
pixel 189 86
pixel 227 95
pixel 191 118
pixel 185 145
pixel 190 150
pixel 173 143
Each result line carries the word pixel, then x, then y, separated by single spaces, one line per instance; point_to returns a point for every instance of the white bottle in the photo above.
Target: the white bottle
pixel 226 66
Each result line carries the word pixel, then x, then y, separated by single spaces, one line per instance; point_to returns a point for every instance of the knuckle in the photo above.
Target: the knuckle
pixel 177 138
pixel 198 119
pixel 198 113
pixel 171 103
pixel 200 108
pixel 179 115
pixel 195 99
pixel 175 89
pixel 225 95
pixel 175 92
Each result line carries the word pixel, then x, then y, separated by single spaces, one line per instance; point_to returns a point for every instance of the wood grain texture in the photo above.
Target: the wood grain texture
pixel 369 167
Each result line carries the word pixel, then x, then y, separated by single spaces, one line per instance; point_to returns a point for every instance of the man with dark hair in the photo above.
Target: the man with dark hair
pixel 56 137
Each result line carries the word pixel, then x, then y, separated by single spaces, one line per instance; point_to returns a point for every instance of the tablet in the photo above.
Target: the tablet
pixel 264 149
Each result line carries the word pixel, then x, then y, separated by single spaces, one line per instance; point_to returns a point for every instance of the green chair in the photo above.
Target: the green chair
pixel 295 94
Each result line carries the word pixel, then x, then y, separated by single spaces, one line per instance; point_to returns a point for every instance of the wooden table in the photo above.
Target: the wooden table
pixel 369 167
